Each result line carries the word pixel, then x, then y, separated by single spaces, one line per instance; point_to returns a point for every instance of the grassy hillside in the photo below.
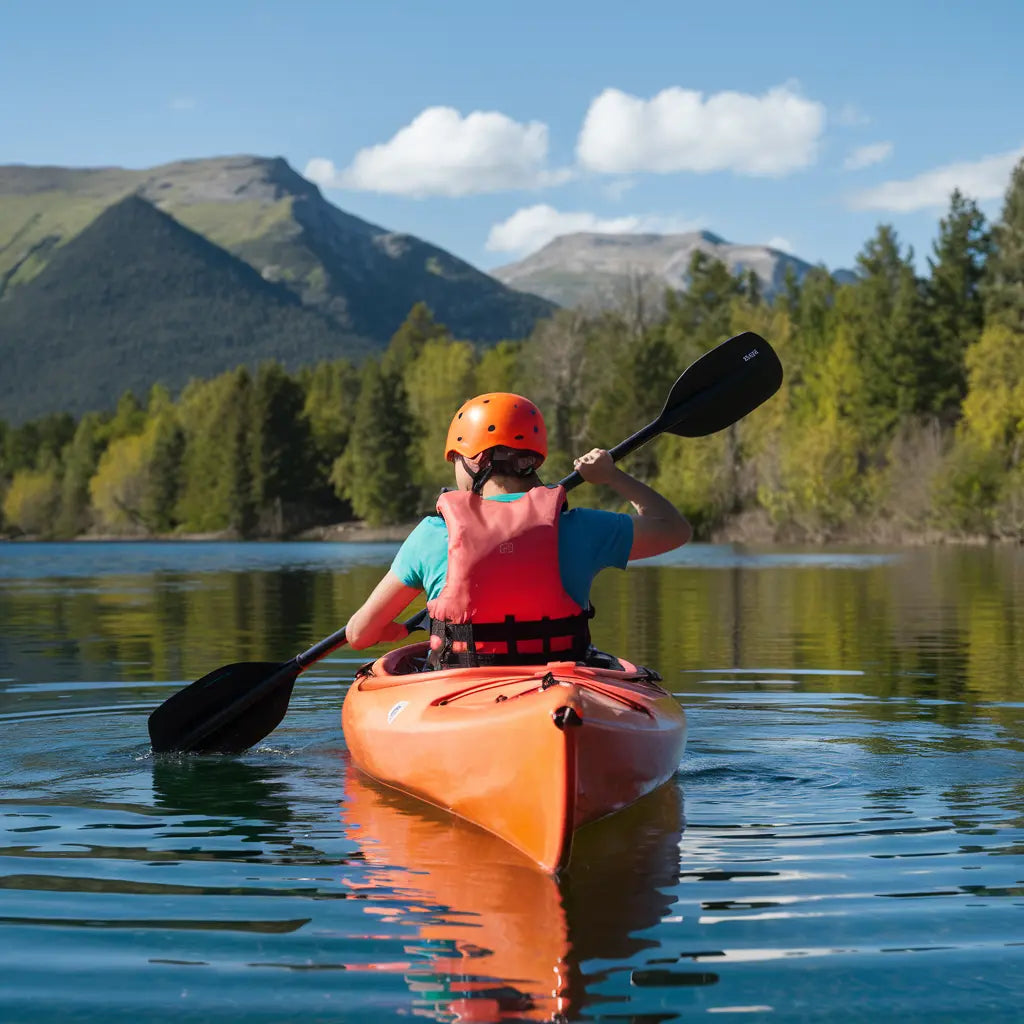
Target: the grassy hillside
pixel 137 298
pixel 362 276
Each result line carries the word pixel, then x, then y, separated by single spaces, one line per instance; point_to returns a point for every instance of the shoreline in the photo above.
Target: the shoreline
pixel 744 530
pixel 351 533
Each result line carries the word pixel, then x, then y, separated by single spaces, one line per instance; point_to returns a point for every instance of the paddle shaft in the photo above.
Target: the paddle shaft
pixel 321 649
pixel 421 620
pixel 619 451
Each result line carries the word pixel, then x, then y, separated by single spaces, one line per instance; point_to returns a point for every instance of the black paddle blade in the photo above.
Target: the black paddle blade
pixel 721 387
pixel 225 712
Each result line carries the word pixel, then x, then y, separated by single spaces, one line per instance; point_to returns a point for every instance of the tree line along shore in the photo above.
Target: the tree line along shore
pixel 901 416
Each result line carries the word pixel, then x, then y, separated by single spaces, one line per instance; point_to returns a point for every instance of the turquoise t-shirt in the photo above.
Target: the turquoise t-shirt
pixel 589 540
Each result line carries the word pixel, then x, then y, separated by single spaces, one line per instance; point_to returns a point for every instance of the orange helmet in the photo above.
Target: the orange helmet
pixel 497 418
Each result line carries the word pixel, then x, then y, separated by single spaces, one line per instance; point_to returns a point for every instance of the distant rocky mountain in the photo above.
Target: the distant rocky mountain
pixel 137 298
pixel 363 277
pixel 589 269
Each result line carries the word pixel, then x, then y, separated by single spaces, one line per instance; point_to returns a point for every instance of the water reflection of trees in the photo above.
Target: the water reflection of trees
pixel 170 626
pixel 938 623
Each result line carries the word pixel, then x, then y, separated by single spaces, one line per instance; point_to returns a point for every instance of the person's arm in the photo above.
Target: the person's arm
pixel 658 525
pixel 374 622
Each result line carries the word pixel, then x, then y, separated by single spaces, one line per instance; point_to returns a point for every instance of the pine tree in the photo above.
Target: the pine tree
pixel 1004 275
pixel 699 318
pixel 886 313
pixel 37 444
pixel 281 443
pixel 634 391
pixel 750 287
pixel 373 473
pixel 165 451
pixel 954 299
pixel 407 342
pixel 242 509
pixel 788 297
pixel 809 306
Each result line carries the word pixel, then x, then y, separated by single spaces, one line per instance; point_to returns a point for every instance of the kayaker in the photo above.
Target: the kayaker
pixel 506 567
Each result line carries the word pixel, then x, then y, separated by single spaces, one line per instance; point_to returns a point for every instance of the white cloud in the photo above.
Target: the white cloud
pixel 182 103
pixel 986 178
pixel 780 243
pixel 442 153
pixel 865 156
pixel 321 171
pixel 532 227
pixel 681 130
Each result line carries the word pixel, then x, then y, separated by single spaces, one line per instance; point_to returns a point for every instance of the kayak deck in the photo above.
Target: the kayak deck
pixel 530 753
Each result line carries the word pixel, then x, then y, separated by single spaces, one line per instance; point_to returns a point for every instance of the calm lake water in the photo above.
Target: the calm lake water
pixel 843 839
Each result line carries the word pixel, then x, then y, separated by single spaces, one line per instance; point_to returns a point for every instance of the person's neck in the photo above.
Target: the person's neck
pixel 492 488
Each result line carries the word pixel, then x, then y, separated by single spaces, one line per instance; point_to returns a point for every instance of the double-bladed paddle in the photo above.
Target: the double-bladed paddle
pixel 236 706
pixel 712 393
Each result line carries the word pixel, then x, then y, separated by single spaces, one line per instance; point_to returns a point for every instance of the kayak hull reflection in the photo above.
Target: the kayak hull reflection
pixel 489 936
pixel 530 753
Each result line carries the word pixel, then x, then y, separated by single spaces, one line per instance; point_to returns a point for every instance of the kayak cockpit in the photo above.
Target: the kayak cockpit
pixel 413 659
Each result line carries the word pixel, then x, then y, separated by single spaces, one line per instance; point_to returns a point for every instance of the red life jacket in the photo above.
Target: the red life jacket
pixel 503 601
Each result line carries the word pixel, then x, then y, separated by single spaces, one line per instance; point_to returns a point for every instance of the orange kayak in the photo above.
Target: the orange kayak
pixel 530 753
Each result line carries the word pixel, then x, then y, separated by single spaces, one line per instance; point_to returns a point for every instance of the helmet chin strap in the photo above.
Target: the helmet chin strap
pixel 507 461
pixel 483 474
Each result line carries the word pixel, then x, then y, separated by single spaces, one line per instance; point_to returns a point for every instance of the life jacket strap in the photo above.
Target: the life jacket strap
pixel 511 633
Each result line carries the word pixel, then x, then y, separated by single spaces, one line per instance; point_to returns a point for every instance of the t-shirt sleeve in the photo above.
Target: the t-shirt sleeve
pixel 409 563
pixel 422 560
pixel 609 535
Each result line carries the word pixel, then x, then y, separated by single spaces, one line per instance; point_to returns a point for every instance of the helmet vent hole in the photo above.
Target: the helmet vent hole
pixel 536 430
pixel 487 401
pixel 460 437
pixel 519 437
pixel 460 417
pixel 491 427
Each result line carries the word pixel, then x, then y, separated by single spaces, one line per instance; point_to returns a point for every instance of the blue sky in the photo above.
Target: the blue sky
pixel 487 128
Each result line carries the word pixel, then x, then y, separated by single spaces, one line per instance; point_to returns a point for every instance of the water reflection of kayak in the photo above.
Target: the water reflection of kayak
pixel 530 753
pixel 490 937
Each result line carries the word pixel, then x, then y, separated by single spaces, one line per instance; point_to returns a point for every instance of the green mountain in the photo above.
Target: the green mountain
pixel 363 277
pixel 135 299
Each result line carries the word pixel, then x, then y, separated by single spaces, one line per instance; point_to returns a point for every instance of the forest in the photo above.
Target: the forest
pixel 901 415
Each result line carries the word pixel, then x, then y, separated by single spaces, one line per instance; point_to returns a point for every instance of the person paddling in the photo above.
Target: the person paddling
pixel 495 449
pixel 506 566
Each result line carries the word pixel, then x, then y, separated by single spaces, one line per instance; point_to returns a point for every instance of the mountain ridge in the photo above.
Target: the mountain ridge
pixel 136 299
pixel 363 276
pixel 590 269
